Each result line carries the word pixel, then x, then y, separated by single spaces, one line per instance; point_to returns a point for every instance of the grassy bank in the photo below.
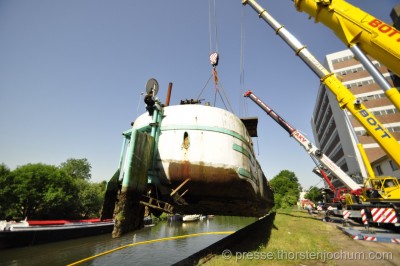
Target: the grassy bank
pixel 296 238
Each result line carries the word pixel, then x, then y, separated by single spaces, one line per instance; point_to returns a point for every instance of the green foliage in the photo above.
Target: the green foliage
pixel 91 197
pixel 77 168
pixel 4 170
pixel 314 194
pixel 286 189
pixel 40 191
pixel 5 190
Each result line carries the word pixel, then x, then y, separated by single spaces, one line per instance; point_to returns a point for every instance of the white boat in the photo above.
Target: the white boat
pixel 188 158
pixel 13 225
pixel 191 218
pixel 27 233
pixel 211 147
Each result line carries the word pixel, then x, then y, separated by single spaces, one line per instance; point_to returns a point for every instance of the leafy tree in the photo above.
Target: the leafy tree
pixel 91 196
pixel 41 192
pixel 77 168
pixel 286 189
pixel 5 190
pixel 314 194
pixel 288 201
pixel 4 170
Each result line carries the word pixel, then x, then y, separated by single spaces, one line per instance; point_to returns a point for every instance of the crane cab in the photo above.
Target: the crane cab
pixel 382 188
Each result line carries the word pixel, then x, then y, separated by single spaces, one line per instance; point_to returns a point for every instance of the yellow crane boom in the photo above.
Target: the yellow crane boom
pixel 363 34
pixel 354 26
pixel 344 97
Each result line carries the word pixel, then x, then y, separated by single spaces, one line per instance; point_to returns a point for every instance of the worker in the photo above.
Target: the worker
pixel 389 183
pixel 375 189
pixel 309 208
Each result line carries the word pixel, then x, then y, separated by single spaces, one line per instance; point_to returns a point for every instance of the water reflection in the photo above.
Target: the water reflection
pixel 160 253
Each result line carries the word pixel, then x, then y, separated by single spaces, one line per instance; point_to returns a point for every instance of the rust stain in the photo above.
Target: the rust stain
pixel 200 172
pixel 208 181
pixel 217 190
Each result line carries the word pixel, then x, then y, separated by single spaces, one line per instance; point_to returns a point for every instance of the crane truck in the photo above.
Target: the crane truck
pixel 344 97
pixel 323 162
pixel 379 197
pixel 333 196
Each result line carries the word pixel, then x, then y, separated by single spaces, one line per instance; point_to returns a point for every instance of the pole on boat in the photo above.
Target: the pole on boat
pixel 168 94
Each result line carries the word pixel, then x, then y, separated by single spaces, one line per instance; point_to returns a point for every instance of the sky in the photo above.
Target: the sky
pixel 72 73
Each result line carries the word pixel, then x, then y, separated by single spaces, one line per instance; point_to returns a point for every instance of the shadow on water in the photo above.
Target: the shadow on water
pixel 249 238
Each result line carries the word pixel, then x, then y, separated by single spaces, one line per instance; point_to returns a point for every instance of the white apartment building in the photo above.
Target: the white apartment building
pixel 336 132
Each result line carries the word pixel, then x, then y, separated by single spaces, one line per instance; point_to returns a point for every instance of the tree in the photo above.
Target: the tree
pixel 77 168
pixel 91 197
pixel 5 191
pixel 41 191
pixel 4 170
pixel 286 189
pixel 314 194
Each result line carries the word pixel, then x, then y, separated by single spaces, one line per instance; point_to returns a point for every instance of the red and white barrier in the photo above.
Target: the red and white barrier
pixel 369 238
pixel 396 240
pixel 384 215
pixel 346 215
pixel 364 217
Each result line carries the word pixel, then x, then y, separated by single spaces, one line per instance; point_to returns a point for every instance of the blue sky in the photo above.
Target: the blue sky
pixel 71 74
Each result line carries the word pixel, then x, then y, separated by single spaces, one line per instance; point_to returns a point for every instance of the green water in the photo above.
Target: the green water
pixel 159 253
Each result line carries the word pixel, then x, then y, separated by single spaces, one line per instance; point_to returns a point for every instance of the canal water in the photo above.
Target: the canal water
pixel 157 253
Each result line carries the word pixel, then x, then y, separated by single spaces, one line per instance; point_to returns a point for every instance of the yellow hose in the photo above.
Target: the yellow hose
pixel 149 242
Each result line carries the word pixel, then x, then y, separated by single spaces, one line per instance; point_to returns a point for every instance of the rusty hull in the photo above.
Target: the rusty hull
pixel 218 190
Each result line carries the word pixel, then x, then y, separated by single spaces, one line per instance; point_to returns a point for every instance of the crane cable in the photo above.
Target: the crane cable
pixel 242 48
pixel 320 168
pixel 215 24
pixel 214 56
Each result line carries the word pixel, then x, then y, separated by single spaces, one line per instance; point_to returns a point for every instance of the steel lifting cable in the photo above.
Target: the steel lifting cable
pixel 214 56
pixel 226 97
pixel 210 26
pixel 242 48
pixel 201 92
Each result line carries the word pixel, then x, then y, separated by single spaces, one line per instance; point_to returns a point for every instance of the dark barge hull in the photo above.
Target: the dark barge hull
pixel 34 235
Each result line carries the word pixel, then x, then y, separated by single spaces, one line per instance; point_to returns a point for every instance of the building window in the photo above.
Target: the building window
pixel 393 165
pixel 379 169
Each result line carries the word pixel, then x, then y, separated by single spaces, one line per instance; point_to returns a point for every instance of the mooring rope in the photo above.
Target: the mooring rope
pixel 148 242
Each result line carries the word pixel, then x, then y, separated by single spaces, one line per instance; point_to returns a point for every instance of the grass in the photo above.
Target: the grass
pixel 295 237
